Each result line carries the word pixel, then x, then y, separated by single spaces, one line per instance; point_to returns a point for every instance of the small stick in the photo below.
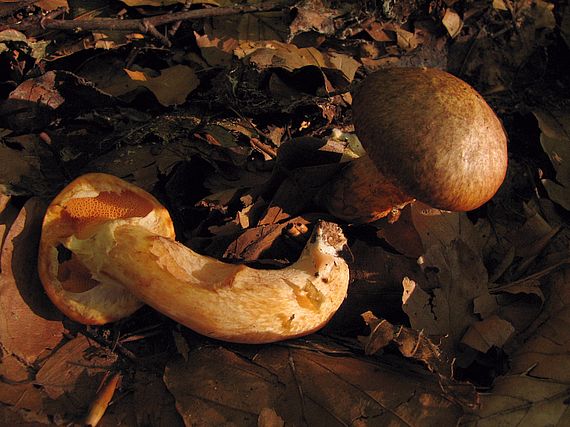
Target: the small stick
pixel 100 24
pixel 104 395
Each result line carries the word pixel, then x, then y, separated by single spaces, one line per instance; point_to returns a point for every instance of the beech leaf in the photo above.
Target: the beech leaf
pixel 535 392
pixel 444 305
pixel 219 387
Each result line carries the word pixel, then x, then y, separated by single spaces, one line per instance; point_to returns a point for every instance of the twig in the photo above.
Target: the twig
pixel 176 25
pixel 7 9
pixel 145 24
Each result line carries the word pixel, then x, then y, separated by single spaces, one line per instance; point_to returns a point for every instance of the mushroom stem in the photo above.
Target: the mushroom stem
pixel 361 194
pixel 224 301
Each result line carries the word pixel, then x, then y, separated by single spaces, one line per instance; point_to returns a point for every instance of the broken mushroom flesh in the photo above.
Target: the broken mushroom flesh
pixel 83 204
pixel 224 301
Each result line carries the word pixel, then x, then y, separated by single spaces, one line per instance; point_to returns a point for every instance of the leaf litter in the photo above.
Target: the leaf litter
pixel 466 313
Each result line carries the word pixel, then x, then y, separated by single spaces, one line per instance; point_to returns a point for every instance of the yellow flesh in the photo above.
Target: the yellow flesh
pixel 83 213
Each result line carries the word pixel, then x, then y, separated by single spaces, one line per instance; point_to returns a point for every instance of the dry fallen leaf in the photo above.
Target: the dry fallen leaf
pixel 452 22
pixel 487 333
pixel 30 326
pixel 555 140
pixel 535 392
pixel 171 86
pixel 217 387
pixel 290 57
pixel 454 277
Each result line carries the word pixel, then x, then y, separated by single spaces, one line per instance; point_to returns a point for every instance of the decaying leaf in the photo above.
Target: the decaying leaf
pixel 154 405
pixel 155 3
pixel 555 140
pixel 312 15
pixel 63 387
pixel 452 22
pixel 437 227
pixel 217 386
pixel 30 326
pixel 535 392
pixel 410 342
pixel 171 86
pixel 454 277
pixel 291 58
pixel 487 333
pixel 248 27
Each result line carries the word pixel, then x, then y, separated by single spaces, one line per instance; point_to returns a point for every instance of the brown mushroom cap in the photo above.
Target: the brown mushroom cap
pixel 433 135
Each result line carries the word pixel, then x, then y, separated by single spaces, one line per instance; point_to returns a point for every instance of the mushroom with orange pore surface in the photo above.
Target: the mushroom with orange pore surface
pixel 220 300
pixel 428 136
pixel 80 207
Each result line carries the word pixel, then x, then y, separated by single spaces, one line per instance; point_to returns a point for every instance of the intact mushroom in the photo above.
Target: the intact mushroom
pixel 120 253
pixel 428 136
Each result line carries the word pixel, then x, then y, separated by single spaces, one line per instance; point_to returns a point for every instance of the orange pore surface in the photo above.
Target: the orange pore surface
pixel 84 211
pixel 108 205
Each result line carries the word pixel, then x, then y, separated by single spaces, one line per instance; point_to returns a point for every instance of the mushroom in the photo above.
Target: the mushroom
pixel 428 136
pixel 120 243
pixel 83 204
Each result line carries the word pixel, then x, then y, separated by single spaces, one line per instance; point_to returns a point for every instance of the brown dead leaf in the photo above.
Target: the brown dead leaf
pixel 376 30
pixel 452 22
pixel 30 326
pixel 63 387
pixel 529 241
pixel 454 277
pixel 555 140
pixel 289 57
pixel 493 331
pixel 406 40
pixel 402 234
pixel 410 342
pixel 217 386
pixel 71 376
pixel 154 3
pixel 171 86
pixel 536 390
pixel 216 52
pixel 312 16
pixel 269 242
pixel 529 287
pixel 49 5
pixel 28 167
pixel 248 27
pixel 154 405
pixel 437 227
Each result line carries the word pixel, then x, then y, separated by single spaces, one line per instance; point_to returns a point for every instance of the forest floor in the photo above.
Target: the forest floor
pixel 197 102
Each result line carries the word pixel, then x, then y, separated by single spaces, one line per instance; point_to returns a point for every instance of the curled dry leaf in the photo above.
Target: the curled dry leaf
pixel 217 387
pixel 410 342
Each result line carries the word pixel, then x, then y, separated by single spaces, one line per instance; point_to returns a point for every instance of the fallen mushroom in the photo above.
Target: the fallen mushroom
pixel 82 205
pixel 225 301
pixel 429 136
